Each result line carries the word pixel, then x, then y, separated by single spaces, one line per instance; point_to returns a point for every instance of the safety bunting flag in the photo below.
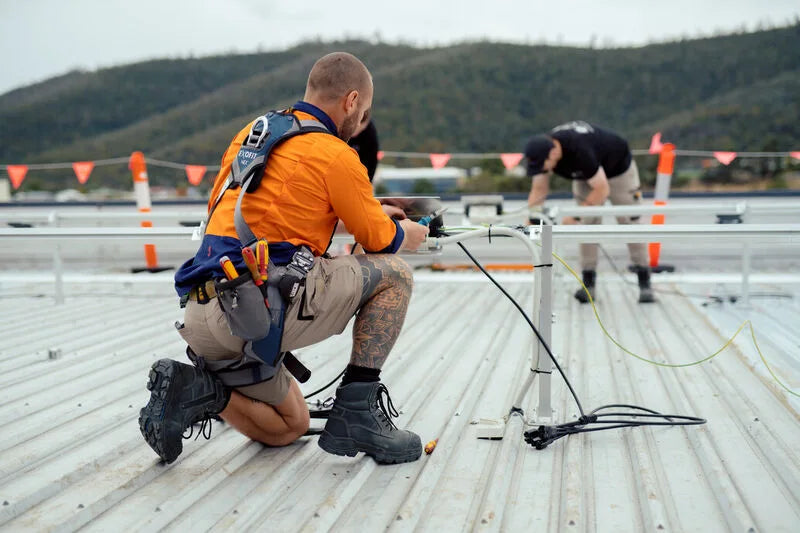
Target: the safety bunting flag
pixel 725 157
pixel 439 160
pixel 16 173
pixel 510 160
pixel 195 173
pixel 82 170
pixel 655 144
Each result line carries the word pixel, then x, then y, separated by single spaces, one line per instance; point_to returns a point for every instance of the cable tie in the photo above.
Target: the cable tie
pixel 543 265
pixel 490 234
pixel 537 371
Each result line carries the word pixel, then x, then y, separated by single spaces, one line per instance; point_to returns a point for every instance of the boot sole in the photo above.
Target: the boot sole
pixel 349 448
pixel 151 416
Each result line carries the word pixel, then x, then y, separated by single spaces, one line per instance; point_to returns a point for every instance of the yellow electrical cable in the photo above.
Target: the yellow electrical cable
pixel 667 365
pixel 671 365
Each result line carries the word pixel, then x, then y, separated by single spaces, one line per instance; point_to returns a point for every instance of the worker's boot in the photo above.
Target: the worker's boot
pixel 589 277
pixel 360 421
pixel 180 395
pixel 646 295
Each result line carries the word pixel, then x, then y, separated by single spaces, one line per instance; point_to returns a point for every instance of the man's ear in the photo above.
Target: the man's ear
pixel 351 101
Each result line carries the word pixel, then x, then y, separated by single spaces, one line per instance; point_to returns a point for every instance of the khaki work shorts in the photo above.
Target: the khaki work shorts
pixel 321 309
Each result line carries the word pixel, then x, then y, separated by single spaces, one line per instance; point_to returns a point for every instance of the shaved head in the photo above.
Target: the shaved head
pixel 335 75
pixel 341 86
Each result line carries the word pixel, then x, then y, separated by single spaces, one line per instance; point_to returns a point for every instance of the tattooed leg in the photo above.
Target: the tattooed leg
pixel 384 300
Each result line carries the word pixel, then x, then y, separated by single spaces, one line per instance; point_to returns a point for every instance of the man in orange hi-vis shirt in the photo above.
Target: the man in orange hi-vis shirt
pixel 310 182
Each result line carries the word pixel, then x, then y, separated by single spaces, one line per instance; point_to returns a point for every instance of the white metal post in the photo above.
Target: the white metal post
pixel 746 257
pixel 58 266
pixel 545 365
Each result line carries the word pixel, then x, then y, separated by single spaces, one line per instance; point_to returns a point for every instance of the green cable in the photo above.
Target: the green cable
pixel 644 359
pixel 671 365
pixel 764 360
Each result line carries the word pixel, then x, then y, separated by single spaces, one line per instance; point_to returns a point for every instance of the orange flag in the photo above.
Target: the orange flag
pixel 510 160
pixel 380 155
pixel 439 160
pixel 655 144
pixel 796 155
pixel 195 173
pixel 82 170
pixel 725 157
pixel 16 173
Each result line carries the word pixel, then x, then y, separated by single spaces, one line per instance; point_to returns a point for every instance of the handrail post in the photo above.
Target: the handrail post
pixel 58 271
pixel 545 366
pixel 746 259
pixel 58 265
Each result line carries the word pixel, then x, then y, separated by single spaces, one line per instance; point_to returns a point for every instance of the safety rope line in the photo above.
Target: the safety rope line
pixel 386 153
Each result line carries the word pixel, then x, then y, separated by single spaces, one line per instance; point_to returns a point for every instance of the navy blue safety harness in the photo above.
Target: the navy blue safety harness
pixel 261 357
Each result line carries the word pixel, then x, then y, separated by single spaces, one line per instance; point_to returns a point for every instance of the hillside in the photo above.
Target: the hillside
pixel 733 92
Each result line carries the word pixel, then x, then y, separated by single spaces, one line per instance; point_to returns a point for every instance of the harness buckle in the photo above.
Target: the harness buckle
pixel 258 132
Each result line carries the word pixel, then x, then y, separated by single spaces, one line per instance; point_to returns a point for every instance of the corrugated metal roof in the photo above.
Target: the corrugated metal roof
pixel 71 455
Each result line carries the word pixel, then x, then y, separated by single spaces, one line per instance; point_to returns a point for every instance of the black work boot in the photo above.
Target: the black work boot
pixel 646 295
pixel 589 277
pixel 180 395
pixel 360 422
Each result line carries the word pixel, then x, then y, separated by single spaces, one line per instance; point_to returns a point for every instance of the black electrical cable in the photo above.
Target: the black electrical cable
pixel 530 323
pixel 542 436
pixel 334 380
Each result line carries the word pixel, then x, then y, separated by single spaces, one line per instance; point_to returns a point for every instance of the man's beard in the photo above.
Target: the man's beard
pixel 348 127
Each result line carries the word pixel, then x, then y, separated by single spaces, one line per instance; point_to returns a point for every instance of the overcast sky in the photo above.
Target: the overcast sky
pixel 43 38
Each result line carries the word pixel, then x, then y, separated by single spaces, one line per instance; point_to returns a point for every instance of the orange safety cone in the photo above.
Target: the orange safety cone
pixel 666 166
pixel 141 189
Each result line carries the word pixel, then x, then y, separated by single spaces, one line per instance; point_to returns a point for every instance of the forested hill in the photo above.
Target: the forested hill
pixel 736 92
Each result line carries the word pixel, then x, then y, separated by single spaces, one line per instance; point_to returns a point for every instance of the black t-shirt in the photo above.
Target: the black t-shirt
pixel 586 148
pixel 366 144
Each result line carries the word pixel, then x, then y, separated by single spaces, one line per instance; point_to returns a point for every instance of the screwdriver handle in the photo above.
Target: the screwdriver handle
pixel 250 261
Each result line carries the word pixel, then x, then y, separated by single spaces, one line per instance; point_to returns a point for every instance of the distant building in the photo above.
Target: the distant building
pixel 403 180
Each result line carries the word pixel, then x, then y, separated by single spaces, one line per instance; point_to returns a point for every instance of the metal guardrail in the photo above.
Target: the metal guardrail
pixel 743 234
pixel 742 209
pixel 53 218
pixel 109 233
pixel 547 234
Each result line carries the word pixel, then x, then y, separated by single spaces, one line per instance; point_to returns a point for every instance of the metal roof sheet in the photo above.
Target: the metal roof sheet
pixel 71 455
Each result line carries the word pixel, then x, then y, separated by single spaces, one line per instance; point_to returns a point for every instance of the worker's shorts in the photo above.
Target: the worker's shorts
pixel 322 308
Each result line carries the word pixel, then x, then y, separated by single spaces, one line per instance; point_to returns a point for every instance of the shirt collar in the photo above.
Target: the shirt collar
pixel 317 113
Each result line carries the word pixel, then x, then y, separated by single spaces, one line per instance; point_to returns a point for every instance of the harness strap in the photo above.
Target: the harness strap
pixel 236 373
pixel 246 235
pixel 243 231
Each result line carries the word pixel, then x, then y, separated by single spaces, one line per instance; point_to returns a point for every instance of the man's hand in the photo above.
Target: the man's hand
pixel 394 212
pixel 414 234
pixel 600 188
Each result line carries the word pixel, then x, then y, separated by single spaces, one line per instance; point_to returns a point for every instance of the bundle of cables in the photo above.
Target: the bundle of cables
pixel 623 416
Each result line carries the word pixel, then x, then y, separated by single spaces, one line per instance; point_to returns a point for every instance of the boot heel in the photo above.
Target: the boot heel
pixel 337 446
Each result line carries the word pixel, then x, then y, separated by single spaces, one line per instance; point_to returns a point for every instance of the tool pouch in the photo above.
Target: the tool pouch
pixel 243 305
pixel 250 319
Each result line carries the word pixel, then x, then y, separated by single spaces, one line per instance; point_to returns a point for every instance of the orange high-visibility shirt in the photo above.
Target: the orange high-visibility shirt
pixel 310 182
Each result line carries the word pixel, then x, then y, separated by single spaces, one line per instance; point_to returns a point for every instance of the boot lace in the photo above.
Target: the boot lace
pixel 386 409
pixel 205 428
